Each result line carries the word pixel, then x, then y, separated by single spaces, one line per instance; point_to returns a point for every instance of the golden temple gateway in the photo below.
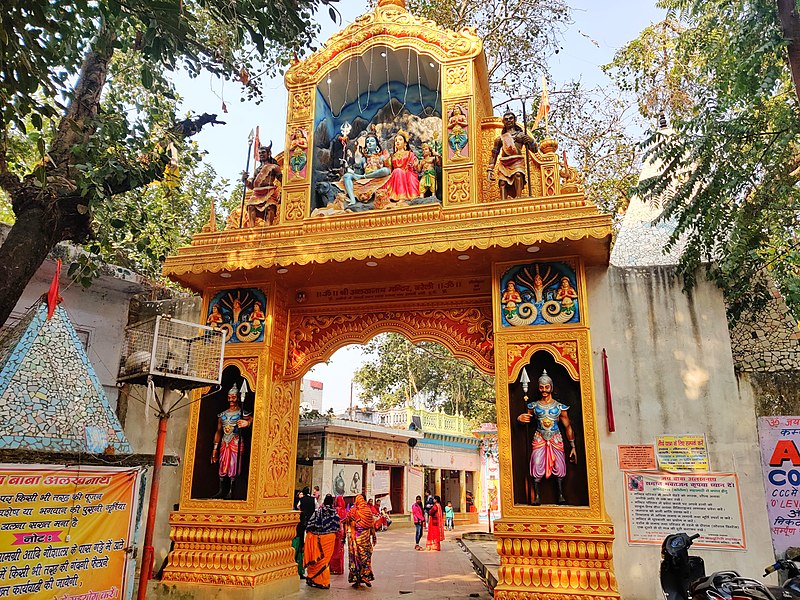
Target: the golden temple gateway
pixel 403 204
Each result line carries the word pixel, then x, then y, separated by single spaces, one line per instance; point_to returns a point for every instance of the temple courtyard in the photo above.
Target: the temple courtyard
pixel 402 572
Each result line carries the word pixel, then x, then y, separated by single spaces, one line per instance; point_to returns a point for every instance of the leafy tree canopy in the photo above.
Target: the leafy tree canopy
pixel 88 84
pixel 723 72
pixel 400 373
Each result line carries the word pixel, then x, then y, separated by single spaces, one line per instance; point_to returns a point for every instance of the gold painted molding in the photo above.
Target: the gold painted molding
pixel 464 327
pixel 387 26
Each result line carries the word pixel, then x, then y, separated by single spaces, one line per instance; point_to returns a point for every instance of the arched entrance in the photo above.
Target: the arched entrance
pixel 499 282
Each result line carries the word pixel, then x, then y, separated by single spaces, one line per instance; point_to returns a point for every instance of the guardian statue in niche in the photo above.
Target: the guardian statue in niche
pixel 228 445
pixel 548 458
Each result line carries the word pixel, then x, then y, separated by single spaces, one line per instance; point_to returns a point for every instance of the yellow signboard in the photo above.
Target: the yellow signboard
pixel 682 453
pixel 66 532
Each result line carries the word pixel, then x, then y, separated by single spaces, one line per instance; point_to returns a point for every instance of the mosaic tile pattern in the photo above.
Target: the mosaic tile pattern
pixel 49 392
pixel 639 242
pixel 767 340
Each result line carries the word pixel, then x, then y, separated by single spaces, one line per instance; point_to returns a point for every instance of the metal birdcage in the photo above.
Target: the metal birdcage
pixel 176 354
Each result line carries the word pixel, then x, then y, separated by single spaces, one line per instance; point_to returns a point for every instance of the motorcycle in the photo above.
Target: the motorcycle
pixel 683 577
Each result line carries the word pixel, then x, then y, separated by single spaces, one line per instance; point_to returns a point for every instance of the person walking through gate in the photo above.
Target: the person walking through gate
pixel 337 560
pixel 320 543
pixel 418 514
pixel 435 525
pixel 361 539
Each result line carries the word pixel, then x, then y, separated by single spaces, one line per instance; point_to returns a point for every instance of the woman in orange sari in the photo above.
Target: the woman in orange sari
pixel 361 539
pixel 320 542
pixel 435 525
pixel 337 561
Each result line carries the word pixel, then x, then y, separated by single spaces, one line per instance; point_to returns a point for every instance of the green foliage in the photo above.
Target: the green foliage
pixel 44 43
pixel 594 126
pixel 400 372
pixel 127 234
pixel 518 37
pixel 649 68
pixel 97 155
pixel 732 167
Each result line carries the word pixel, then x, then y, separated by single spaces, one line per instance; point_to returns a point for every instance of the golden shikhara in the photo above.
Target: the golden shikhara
pixel 431 272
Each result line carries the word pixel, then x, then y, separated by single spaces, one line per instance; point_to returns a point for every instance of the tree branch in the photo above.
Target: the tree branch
pixel 790 24
pixel 77 125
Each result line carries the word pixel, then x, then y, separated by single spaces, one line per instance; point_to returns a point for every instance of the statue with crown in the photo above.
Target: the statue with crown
pixel 228 443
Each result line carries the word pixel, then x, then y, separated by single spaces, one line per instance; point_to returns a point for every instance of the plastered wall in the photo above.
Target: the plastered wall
pixel 671 372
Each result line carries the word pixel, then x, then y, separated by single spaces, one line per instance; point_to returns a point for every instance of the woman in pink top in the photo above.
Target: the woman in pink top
pixel 418 514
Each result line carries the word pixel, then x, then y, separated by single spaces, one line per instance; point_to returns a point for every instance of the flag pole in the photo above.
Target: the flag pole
pixel 246 170
pixel 525 147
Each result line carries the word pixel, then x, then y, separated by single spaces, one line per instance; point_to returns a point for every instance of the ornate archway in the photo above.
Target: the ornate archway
pixel 433 269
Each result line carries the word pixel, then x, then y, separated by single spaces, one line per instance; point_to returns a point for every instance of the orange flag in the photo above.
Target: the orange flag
pixel 544 105
pixel 53 299
pixel 256 144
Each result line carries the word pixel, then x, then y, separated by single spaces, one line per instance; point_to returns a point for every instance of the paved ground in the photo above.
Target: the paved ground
pixel 402 572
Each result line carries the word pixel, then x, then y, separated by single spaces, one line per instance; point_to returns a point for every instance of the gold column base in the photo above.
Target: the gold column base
pixel 554 561
pixel 244 550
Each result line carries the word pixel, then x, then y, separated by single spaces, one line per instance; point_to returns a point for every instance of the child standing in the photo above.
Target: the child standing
pixel 449 514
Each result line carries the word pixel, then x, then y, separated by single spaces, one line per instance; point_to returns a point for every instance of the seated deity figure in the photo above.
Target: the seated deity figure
pixel 403 183
pixel 374 162
pixel 509 158
pixel 547 454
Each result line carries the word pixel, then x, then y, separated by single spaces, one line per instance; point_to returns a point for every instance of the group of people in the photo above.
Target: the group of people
pixel 325 529
pixel 433 517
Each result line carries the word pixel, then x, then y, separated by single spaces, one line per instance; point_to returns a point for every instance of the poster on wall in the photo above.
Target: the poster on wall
pixel 780 463
pixel 639 457
pixel 347 479
pixel 415 481
pixel 66 532
pixel 682 453
pixel 658 504
pixel 380 482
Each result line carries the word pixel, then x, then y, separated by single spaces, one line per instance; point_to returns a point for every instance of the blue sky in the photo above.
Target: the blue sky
pixel 599 29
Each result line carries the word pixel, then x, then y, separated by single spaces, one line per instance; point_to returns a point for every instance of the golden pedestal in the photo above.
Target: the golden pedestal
pixel 558 561
pixel 239 550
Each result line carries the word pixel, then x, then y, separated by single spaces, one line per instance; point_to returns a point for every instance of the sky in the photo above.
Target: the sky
pixel 598 30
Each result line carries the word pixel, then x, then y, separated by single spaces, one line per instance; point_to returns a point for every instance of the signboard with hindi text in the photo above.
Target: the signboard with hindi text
pixel 779 438
pixel 639 457
pixel 678 453
pixel 66 532
pixel 658 504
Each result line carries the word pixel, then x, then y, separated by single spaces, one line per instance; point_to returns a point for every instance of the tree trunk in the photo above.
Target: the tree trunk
pixel 790 25
pixel 31 238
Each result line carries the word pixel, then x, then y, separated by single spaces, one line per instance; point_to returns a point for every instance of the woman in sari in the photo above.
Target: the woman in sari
pixel 361 539
pixel 320 541
pixel 337 560
pixel 435 525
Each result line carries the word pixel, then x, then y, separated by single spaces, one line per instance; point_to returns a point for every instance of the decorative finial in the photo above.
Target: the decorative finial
pixel 401 4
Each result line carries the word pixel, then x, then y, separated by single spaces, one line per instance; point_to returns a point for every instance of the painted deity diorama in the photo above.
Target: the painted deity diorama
pixel 539 294
pixel 379 148
pixel 239 314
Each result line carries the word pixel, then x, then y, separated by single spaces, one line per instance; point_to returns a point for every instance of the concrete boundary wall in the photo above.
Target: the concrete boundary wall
pixel 672 372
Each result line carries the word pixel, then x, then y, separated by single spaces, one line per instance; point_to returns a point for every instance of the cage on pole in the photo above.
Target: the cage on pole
pixel 176 354
pixel 170 354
